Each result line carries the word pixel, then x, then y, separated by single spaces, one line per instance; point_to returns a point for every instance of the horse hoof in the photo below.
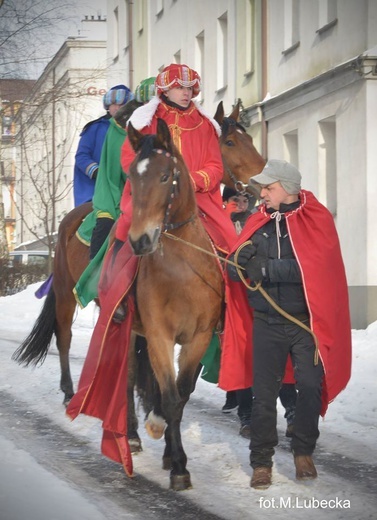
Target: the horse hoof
pixel 155 426
pixel 166 463
pixel 135 445
pixel 67 400
pixel 180 482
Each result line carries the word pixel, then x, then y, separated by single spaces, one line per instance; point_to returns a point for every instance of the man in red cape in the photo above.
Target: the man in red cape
pixel 295 254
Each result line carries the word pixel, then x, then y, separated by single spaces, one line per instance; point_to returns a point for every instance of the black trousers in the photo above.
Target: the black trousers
pixel 100 233
pixel 273 342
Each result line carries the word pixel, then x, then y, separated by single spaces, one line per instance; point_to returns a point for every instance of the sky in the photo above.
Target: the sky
pixel 32 31
pixel 218 455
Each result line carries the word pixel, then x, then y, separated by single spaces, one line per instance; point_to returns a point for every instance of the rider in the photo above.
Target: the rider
pixel 90 145
pixel 111 179
pixel 195 134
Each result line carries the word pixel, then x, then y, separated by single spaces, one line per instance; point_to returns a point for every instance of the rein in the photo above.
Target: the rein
pixel 256 287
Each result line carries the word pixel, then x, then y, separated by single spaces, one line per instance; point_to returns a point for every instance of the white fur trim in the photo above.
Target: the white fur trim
pixel 143 116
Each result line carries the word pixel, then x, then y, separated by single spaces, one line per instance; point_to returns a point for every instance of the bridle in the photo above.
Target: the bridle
pixel 166 225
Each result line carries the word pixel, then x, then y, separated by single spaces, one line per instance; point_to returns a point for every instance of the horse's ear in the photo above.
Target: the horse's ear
pixel 219 116
pixel 236 111
pixel 163 135
pixel 134 137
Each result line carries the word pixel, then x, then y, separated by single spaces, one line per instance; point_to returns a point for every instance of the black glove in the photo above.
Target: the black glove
pixel 245 254
pixel 256 268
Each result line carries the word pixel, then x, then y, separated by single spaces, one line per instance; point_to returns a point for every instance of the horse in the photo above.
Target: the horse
pixel 179 290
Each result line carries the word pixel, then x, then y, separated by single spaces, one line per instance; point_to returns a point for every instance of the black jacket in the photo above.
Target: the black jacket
pixel 283 281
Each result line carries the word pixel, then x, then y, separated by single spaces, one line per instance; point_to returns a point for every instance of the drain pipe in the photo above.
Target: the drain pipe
pixel 264 71
pixel 130 48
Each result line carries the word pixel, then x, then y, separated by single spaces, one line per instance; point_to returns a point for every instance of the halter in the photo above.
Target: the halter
pixel 174 190
pixel 239 186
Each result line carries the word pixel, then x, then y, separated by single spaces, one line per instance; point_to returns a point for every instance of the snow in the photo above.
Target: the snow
pixel 218 456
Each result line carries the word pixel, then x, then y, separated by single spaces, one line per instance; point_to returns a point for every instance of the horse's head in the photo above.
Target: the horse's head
pixel 241 159
pixel 162 194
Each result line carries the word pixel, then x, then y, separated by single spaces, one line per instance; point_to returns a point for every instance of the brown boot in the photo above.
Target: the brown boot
pixel 305 469
pixel 261 478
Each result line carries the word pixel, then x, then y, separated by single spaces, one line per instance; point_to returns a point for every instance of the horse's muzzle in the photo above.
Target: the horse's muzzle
pixel 147 243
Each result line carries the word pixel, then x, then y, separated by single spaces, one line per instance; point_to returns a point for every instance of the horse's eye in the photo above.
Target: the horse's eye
pixel 229 143
pixel 165 177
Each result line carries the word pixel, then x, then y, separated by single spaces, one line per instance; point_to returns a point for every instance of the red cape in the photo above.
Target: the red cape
pixel 316 246
pixel 102 389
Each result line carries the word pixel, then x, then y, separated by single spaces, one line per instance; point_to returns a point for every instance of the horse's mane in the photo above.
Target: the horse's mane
pixel 227 124
pixel 150 143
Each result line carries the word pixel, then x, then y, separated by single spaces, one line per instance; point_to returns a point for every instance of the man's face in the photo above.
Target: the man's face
pixel 180 95
pixel 274 194
pixel 113 109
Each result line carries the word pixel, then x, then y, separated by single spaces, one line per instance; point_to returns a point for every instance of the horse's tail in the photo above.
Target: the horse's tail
pixel 145 381
pixel 34 348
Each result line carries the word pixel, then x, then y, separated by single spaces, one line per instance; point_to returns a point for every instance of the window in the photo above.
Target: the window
pixel 327 164
pixel 291 147
pixel 159 7
pixel 222 52
pixel 115 33
pixel 327 15
pixel 249 36
pixel 199 55
pixel 139 15
pixel 291 25
pixel 177 57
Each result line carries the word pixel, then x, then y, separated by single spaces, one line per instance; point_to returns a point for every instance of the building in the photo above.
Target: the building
pixel 67 95
pixel 12 93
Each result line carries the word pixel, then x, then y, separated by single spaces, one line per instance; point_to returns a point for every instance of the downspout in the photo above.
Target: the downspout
pixel 130 47
pixel 53 158
pixel 264 67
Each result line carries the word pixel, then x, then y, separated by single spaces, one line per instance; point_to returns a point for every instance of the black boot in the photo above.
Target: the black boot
pixel 100 233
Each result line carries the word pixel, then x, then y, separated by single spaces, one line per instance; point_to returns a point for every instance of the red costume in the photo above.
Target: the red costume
pixel 195 137
pixel 316 246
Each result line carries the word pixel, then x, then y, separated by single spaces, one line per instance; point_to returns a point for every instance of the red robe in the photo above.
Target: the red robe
pixel 316 247
pixel 195 137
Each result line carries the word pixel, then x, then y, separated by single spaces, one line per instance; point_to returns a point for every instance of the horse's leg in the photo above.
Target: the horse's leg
pixel 132 422
pixel 65 308
pixel 174 396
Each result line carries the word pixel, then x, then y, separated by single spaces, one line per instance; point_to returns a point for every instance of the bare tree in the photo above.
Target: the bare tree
pixel 31 31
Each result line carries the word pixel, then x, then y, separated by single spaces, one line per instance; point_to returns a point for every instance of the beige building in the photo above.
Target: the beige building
pixel 67 95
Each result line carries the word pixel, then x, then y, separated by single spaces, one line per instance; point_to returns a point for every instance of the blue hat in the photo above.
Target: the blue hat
pixel 118 95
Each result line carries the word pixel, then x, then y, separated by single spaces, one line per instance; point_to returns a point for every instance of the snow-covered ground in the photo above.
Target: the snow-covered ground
pixel 218 456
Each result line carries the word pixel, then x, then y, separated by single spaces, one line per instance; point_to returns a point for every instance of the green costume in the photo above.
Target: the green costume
pixel 107 194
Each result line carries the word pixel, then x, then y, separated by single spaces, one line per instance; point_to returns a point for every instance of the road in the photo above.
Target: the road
pixel 46 473
pixel 51 468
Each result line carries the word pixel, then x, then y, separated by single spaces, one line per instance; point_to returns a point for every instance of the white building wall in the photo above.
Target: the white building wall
pixel 310 89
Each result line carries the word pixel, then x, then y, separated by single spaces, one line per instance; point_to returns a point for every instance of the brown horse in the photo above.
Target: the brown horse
pixel 179 289
pixel 241 161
